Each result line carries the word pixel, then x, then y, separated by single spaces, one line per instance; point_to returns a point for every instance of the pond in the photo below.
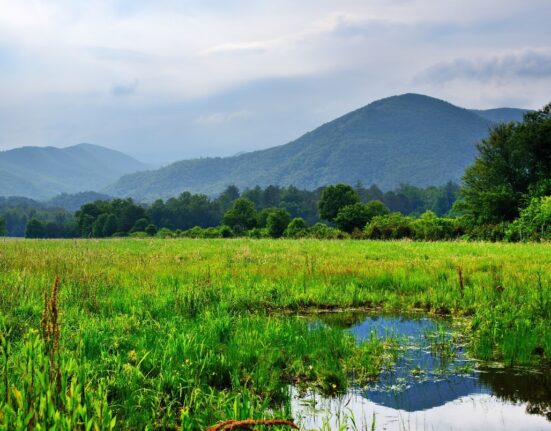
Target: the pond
pixel 433 386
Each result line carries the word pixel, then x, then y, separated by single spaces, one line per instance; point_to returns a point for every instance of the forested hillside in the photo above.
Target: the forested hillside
pixel 410 139
pixel 43 172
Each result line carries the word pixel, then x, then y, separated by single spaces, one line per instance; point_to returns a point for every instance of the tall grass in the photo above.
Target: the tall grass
pixel 187 333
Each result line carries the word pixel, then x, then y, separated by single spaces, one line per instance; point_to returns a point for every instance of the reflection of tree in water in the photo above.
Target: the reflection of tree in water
pixel 516 386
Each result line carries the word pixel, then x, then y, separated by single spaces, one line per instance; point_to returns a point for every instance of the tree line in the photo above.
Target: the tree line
pixel 118 217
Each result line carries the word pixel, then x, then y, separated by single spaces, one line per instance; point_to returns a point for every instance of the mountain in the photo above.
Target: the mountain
pixel 501 115
pixel 410 138
pixel 73 202
pixel 43 172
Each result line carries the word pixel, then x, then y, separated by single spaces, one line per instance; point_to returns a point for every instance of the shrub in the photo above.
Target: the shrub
pixel 322 231
pixel 297 228
pixel 391 226
pixel 277 222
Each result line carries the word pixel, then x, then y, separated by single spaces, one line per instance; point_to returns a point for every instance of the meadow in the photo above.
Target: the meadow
pixel 183 333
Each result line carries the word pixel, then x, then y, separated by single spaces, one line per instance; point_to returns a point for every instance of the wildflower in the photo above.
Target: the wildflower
pixel 132 357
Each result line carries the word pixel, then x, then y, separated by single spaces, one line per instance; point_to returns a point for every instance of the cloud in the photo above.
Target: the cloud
pixel 124 89
pixel 232 48
pixel 177 76
pixel 525 64
pixel 222 117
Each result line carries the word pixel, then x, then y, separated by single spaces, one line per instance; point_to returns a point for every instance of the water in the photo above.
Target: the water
pixel 433 386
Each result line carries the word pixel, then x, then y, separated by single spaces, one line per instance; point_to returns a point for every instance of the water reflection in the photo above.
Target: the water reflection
pixel 425 390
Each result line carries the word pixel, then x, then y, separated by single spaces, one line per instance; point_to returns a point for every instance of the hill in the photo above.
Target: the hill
pixel 410 138
pixel 43 172
pixel 501 115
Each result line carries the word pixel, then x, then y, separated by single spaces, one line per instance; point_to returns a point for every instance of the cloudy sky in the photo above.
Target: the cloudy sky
pixel 165 80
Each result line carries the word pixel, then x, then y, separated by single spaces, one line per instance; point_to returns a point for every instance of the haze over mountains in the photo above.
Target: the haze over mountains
pixel 43 172
pixel 410 138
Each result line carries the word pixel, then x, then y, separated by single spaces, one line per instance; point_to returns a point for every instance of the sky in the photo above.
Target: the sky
pixel 167 80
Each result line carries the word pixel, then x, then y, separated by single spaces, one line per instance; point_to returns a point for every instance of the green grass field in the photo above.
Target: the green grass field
pixel 184 333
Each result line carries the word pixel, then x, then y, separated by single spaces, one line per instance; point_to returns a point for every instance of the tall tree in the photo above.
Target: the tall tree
pixel 241 216
pixel 513 164
pixel 334 198
pixel 3 229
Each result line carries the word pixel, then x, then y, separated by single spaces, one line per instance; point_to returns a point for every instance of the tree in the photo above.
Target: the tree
pixel 35 229
pixel 227 197
pixel 150 229
pixel 296 228
pixel 356 216
pixel 3 228
pixel 334 198
pixel 277 222
pixel 140 225
pixel 110 226
pixel 534 222
pixel 512 163
pixel 241 216
pixel 97 228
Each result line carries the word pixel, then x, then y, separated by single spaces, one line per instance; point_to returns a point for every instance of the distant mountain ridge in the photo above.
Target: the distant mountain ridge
pixel 409 138
pixel 43 172
pixel 501 115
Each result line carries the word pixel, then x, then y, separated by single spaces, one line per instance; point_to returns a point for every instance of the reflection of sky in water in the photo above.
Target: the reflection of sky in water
pixel 470 413
pixel 434 385
pixel 433 397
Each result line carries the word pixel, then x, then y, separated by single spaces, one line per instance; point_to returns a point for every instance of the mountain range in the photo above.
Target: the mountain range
pixel 409 138
pixel 43 172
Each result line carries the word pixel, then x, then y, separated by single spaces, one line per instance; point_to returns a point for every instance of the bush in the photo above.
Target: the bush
pixel 165 233
pixel 391 226
pixel 357 215
pixel 277 222
pixel 209 232
pixel 534 223
pixel 322 231
pixel 430 227
pixel 297 228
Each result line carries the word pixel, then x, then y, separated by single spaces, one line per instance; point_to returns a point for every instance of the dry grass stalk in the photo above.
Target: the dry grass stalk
pixel 49 326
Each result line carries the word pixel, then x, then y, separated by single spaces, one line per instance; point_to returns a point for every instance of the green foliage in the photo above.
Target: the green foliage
pixel 209 232
pixel 430 227
pixel 356 216
pixel 35 229
pixel 140 225
pixel 512 162
pixel 534 222
pixel 277 222
pixel 107 218
pixel 36 393
pixel 297 228
pixel 334 198
pixel 3 229
pixel 241 216
pixel 391 226
pixel 150 229
pixel 322 231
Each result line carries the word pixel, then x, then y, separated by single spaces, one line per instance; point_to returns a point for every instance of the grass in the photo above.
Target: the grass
pixel 186 333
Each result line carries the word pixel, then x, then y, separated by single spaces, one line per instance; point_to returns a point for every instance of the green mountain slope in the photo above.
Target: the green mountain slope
pixel 501 115
pixel 43 172
pixel 402 139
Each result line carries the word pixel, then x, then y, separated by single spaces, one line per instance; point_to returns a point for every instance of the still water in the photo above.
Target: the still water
pixel 433 386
